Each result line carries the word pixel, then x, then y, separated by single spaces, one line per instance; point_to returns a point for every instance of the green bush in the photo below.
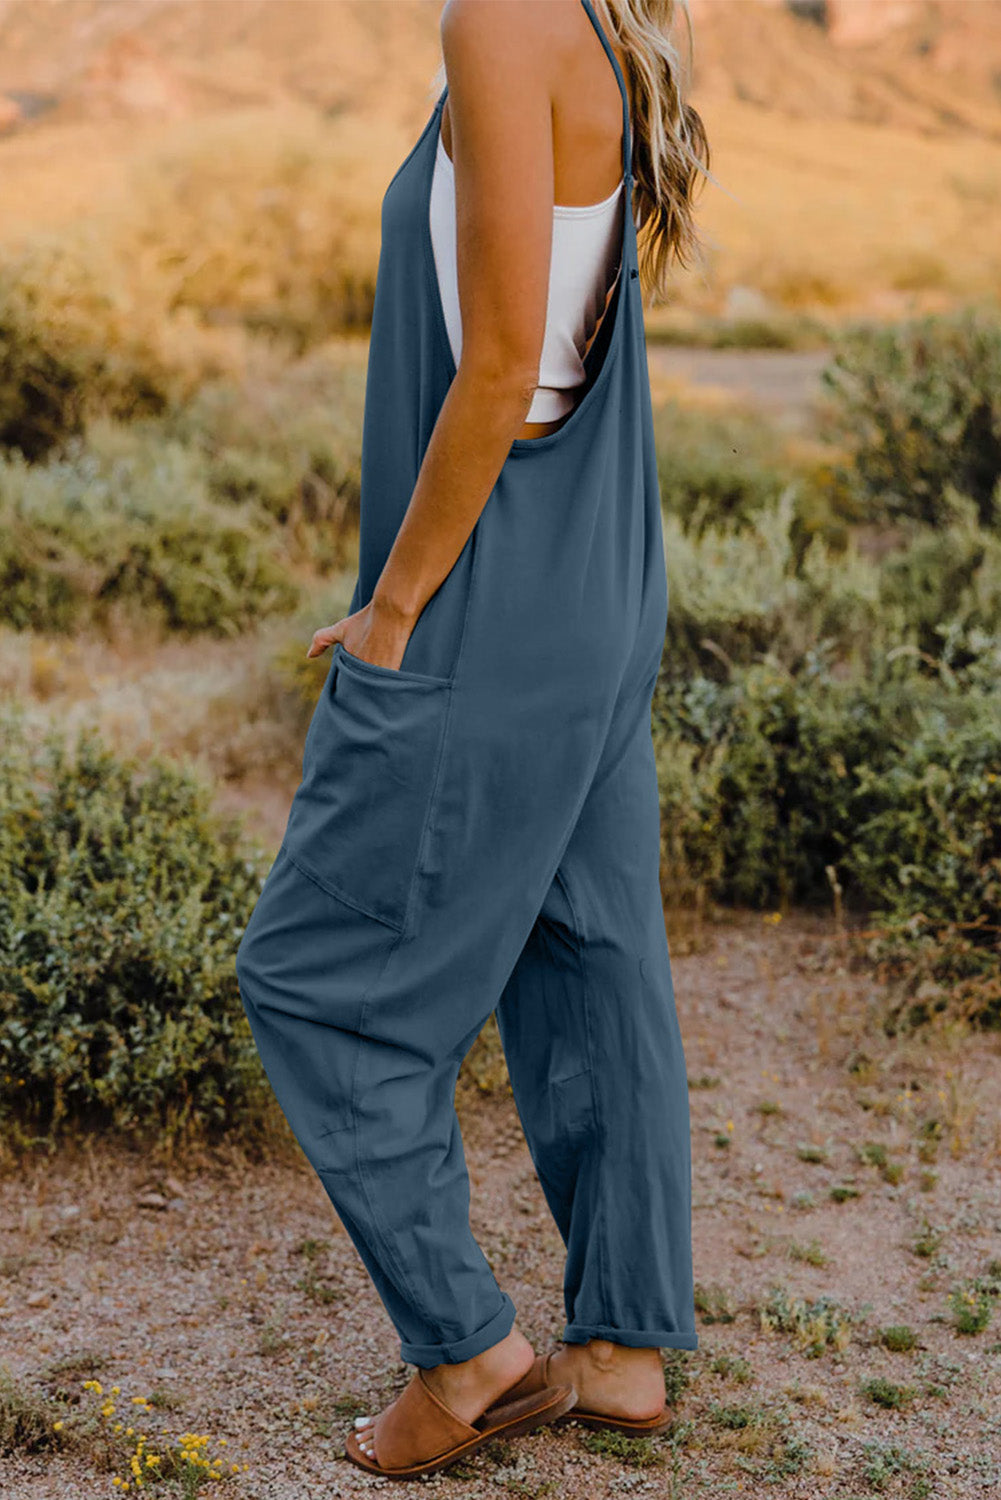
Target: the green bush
pixel 772 774
pixel 889 778
pixel 947 576
pixel 919 408
pixel 126 523
pixel 930 839
pixel 122 901
pixel 737 593
pixel 715 469
pixel 290 443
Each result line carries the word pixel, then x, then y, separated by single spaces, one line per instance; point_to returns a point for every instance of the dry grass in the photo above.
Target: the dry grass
pixel 841 216
pixel 256 201
pixel 232 710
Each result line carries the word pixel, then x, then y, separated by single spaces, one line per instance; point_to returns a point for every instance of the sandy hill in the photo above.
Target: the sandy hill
pixel 926 65
pixel 856 143
pixel 162 58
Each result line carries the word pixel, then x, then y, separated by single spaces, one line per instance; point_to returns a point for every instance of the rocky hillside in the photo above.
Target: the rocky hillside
pixel 856 143
pixel 924 65
pixel 932 66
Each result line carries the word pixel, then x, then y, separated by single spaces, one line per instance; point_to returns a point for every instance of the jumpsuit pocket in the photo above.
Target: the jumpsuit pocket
pixel 369 771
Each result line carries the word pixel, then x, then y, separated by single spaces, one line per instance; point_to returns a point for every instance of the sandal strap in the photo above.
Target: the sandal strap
pixel 416 1427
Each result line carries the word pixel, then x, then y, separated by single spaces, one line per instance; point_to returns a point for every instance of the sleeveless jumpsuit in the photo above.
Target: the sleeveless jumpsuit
pixel 479 831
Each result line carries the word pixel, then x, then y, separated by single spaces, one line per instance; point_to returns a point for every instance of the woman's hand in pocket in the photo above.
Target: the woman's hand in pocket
pixel 376 634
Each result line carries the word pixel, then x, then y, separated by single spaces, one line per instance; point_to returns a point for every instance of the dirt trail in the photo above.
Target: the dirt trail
pixel 243 1304
pixel 784 383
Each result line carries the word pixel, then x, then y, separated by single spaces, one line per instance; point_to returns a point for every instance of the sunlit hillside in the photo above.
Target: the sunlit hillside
pixel 857 145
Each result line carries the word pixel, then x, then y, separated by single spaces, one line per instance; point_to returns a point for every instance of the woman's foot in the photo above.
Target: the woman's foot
pixel 469 1388
pixel 611 1378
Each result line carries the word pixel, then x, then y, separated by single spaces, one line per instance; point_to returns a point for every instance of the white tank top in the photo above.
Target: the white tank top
pixel 583 268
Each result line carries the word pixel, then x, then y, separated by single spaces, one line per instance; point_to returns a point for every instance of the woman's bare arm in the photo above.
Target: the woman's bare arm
pixel 500 107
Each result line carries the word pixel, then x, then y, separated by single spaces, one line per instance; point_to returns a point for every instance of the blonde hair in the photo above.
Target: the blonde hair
pixel 670 146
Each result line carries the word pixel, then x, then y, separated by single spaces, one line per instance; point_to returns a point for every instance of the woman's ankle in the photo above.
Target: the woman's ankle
pixel 498 1366
pixel 605 1354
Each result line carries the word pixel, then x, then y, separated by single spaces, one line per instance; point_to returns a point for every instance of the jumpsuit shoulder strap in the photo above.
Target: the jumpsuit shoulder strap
pixel 627 143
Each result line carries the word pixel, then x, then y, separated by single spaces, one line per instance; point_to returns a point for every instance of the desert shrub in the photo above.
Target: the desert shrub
pixel 222 244
pixel 935 970
pixel 944 575
pixel 289 441
pixel 890 778
pixel 774 772
pixel 931 840
pixel 738 592
pixel 72 344
pixel 128 525
pixel 693 859
pixel 122 901
pixel 267 225
pixel 918 406
pixel 717 468
pixel 772 328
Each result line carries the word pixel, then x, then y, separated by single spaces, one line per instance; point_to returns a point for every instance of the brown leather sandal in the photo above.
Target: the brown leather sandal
pixel 418 1433
pixel 537 1378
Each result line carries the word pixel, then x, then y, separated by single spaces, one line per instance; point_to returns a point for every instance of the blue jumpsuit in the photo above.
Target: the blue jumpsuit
pixel 479 831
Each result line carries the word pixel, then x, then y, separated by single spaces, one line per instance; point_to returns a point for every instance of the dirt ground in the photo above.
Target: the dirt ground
pixel 238 1305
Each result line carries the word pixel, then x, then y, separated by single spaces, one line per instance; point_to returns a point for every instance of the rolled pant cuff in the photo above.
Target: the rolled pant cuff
pixel 579 1333
pixel 456 1350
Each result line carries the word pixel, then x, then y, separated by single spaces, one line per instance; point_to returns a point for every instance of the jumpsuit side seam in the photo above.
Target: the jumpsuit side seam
pixel 371 1198
pixel 362 1175
pixel 599 1227
pixel 572 824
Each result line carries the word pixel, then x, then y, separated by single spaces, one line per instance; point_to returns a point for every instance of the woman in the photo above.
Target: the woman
pixel 477 826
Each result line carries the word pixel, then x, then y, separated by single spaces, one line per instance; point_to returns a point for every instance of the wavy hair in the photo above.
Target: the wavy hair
pixel 670 146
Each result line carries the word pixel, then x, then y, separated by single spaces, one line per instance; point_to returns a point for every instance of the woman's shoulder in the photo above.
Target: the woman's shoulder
pixel 503 34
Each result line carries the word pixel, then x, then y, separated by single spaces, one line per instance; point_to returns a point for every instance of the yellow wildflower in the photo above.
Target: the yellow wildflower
pixel 57 1426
